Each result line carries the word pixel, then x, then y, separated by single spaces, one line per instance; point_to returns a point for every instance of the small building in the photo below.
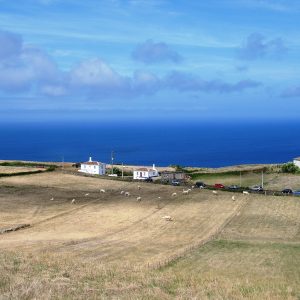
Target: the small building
pixel 297 161
pixel 93 167
pixel 168 177
pixel 144 173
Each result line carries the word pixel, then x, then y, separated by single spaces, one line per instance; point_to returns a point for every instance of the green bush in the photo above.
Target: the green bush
pixel 290 168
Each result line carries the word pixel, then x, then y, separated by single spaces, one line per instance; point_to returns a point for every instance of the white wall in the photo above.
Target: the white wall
pixel 93 169
pixel 297 162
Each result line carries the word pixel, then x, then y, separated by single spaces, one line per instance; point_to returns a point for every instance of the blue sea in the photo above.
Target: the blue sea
pixel 203 144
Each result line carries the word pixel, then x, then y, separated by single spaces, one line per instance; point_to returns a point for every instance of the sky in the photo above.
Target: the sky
pixel 149 60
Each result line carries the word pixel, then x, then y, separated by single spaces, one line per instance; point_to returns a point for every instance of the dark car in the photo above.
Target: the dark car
pixel 200 184
pixel 219 186
pixel 233 187
pixel 287 192
pixel 296 193
pixel 149 179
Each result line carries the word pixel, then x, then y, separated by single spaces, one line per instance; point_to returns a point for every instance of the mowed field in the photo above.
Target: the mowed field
pixel 107 245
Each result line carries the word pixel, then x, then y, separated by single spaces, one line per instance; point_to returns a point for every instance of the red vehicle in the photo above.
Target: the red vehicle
pixel 219 186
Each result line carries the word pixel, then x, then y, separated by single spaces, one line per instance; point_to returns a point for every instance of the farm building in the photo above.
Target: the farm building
pixel 144 173
pixel 297 161
pixel 93 167
pixel 170 176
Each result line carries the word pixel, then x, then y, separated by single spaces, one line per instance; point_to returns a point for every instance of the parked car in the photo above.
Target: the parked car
pixel 296 193
pixel 175 182
pixel 200 184
pixel 287 192
pixel 233 187
pixel 256 188
pixel 219 186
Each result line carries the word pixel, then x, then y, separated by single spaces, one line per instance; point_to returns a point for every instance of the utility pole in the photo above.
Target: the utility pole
pixel 262 178
pixel 112 162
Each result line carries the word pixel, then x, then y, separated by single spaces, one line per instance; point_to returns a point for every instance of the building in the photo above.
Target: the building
pixel 93 167
pixel 168 177
pixel 297 161
pixel 144 173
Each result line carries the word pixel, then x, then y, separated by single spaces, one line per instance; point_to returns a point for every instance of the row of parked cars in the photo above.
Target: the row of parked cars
pixel 254 188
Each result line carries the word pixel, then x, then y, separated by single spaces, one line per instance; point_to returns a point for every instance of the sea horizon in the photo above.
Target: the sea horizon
pixel 164 143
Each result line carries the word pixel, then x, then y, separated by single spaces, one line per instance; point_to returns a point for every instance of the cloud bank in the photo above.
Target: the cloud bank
pixel 150 52
pixel 28 70
pixel 257 47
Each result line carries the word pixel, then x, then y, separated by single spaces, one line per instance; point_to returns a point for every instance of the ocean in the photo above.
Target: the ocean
pixel 202 144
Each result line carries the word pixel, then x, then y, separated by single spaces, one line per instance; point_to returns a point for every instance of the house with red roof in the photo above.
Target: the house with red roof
pixel 144 173
pixel 93 167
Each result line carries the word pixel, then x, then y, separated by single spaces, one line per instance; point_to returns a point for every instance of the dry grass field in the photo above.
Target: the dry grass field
pixel 12 170
pixel 109 246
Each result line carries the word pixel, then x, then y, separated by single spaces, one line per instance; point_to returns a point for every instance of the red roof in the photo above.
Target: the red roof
pixel 93 163
pixel 145 169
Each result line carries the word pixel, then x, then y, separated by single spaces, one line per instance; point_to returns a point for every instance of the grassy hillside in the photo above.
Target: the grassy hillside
pixel 107 245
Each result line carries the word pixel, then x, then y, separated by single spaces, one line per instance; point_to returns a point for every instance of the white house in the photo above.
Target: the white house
pixel 144 173
pixel 93 167
pixel 297 161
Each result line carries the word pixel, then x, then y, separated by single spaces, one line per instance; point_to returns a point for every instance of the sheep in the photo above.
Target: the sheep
pixel 215 192
pixel 127 194
pixel 102 191
pixel 167 218
pixel 174 194
pixel 245 192
pixel 185 192
pixel 158 197
pixel 73 201
pixel 193 186
pixel 86 194
pixel 52 199
pixel 233 198
pixel 122 192
pixel 138 198
pixel 189 190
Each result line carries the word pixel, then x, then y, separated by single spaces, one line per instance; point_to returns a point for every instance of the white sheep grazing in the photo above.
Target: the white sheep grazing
pixel 193 186
pixel 215 192
pixel 127 194
pixel 139 187
pixel 102 191
pixel 245 193
pixel 138 198
pixel 159 197
pixel 174 194
pixel 122 192
pixel 167 218
pixel 73 201
pixel 233 198
pixel 86 194
pixel 52 199
pixel 185 192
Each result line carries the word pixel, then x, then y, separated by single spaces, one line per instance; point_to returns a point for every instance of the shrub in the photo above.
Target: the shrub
pixel 290 168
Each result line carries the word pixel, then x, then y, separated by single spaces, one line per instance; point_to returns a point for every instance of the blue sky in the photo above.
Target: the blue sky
pixel 159 59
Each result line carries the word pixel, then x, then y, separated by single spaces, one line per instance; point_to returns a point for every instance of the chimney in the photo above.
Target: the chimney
pixel 90 158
